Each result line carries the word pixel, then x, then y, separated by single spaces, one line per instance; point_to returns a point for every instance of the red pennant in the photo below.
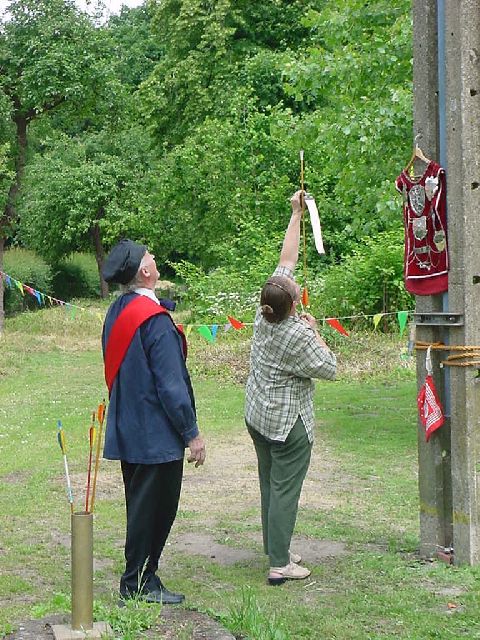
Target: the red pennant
pixel 333 322
pixel 305 298
pixel 236 324
pixel 180 326
pixel 429 407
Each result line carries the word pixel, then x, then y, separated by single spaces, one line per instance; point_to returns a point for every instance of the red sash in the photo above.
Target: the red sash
pixel 128 321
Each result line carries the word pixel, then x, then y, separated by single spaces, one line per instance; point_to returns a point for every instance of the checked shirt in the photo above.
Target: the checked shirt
pixel 283 360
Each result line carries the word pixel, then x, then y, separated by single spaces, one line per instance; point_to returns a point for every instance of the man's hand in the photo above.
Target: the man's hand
pixel 197 451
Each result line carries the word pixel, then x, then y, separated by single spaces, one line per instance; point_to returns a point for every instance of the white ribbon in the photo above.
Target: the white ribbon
pixel 315 222
pixel 428 362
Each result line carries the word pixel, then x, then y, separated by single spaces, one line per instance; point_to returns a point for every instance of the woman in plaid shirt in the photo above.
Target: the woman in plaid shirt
pixel 287 352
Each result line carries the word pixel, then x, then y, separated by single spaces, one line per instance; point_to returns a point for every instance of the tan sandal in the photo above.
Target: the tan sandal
pixel 295 557
pixel 291 571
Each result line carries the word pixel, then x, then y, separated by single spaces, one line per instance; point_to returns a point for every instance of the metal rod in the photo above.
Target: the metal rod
pixel 442 135
pixel 82 571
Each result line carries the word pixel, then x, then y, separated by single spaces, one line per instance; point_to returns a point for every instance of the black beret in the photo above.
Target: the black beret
pixel 123 261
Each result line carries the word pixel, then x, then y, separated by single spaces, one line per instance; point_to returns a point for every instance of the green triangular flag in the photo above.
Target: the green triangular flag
pixel 204 331
pixel 402 320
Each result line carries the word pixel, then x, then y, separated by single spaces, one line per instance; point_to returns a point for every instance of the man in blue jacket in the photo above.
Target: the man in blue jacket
pixel 151 415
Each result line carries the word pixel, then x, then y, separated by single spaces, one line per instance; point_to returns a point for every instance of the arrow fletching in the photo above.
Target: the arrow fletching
pixel 101 412
pixel 61 438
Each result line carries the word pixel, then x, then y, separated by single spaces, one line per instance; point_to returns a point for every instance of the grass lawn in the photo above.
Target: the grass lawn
pixel 358 520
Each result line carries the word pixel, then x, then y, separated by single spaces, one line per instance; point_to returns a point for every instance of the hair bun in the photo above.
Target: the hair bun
pixel 267 310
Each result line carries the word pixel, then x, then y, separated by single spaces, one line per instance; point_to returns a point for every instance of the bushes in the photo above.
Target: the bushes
pixel 76 277
pixel 369 281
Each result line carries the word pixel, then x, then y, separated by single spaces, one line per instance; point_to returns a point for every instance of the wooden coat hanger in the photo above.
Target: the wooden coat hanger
pixel 416 155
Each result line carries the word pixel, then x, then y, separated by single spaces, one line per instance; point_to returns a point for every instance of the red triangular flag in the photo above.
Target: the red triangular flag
pixel 429 407
pixel 236 324
pixel 305 298
pixel 333 322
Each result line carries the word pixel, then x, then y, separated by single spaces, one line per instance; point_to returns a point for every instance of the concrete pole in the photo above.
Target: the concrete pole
pixel 462 33
pixel 434 476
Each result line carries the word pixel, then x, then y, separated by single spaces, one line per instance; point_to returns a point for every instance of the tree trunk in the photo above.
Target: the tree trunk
pixel 99 256
pixel 2 286
pixel 10 213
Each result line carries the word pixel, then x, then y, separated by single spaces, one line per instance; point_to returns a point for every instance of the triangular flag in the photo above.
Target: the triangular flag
pixel 227 327
pixel 402 320
pixel 376 319
pixel 180 326
pixel 20 286
pixel 8 280
pixel 204 331
pixel 70 308
pixel 236 324
pixel 214 330
pixel 333 322
pixel 38 296
pixel 305 298
pixel 188 330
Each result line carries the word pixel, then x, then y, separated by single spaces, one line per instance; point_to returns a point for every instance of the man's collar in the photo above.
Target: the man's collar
pixel 143 291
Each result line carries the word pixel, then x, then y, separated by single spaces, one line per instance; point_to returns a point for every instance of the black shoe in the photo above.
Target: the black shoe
pixel 155 596
pixel 163 596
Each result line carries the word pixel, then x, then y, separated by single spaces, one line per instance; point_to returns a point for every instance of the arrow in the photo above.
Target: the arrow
pixel 91 438
pixel 63 448
pixel 100 418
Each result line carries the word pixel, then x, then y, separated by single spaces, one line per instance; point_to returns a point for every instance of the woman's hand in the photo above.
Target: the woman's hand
pixel 296 201
pixel 310 320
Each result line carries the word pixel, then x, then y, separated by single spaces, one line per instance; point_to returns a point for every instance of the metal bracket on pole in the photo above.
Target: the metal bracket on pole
pixel 438 319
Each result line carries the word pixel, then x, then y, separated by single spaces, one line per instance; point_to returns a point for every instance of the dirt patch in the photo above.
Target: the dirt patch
pixel 205 545
pixel 174 622
pixel 312 550
pixel 16 477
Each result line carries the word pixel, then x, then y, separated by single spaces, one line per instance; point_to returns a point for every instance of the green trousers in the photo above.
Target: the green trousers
pixel 282 467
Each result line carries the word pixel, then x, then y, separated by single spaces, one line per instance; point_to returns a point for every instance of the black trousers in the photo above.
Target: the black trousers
pixel 152 492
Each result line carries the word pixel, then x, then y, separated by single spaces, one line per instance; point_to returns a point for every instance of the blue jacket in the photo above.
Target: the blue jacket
pixel 151 415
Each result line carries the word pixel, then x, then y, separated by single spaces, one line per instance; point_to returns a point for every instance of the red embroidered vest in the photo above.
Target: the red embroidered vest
pixel 425 220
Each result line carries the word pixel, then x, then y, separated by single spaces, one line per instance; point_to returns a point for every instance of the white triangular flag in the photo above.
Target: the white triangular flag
pixel 315 222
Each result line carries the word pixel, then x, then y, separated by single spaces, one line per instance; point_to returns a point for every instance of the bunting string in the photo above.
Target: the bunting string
pixel 207 331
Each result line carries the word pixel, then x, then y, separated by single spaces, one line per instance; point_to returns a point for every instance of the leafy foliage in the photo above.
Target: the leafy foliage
pixel 76 277
pixel 358 70
pixel 191 143
pixel 368 281
pixel 50 54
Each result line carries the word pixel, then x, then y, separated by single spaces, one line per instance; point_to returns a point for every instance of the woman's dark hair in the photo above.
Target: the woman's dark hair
pixel 276 299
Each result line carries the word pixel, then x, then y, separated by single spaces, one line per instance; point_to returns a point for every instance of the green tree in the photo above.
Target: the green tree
pixel 83 193
pixel 49 58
